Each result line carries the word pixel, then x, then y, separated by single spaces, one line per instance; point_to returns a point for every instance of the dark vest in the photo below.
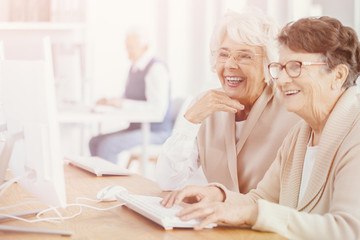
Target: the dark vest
pixel 135 90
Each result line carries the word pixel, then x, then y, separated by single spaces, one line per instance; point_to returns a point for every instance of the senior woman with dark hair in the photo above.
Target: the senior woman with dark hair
pixel 311 189
pixel 233 133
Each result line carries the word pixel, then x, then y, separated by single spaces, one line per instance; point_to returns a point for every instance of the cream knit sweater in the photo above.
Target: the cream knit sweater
pixel 330 208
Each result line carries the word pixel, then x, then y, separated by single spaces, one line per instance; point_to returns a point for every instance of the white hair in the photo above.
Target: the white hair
pixel 251 27
pixel 141 32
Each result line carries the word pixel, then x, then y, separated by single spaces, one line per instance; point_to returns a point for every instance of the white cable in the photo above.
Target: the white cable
pixel 55 209
pixel 7 184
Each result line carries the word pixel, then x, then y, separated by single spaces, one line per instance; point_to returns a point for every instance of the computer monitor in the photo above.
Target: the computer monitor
pixel 27 93
pixel 1 50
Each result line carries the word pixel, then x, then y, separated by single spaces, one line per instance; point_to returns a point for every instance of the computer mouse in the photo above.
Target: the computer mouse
pixel 109 193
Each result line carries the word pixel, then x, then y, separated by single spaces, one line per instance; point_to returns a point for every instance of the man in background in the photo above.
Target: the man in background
pixel 148 80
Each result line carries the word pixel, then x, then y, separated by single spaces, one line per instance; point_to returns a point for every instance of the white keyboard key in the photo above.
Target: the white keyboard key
pixel 150 207
pixel 98 166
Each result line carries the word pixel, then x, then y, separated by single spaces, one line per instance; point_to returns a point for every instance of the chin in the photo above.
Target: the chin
pixel 234 93
pixel 291 108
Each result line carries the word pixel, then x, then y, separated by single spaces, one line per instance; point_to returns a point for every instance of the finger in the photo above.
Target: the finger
pixel 237 105
pixel 211 102
pixel 171 199
pixel 195 211
pixel 177 197
pixel 206 221
pixel 167 199
pixel 200 197
pixel 226 100
pixel 187 193
pixel 226 108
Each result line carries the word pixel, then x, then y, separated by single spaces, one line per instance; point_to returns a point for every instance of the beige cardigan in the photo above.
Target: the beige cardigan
pixel 330 208
pixel 240 166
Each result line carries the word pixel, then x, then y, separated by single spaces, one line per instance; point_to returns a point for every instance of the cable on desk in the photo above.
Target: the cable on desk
pixel 7 184
pixel 55 209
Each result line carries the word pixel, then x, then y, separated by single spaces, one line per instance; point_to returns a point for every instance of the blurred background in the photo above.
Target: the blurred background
pixel 88 38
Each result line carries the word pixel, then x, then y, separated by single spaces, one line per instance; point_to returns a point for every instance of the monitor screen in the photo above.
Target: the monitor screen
pixel 27 93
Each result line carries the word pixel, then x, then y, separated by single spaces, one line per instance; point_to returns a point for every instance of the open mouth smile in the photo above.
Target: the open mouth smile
pixel 234 81
pixel 291 92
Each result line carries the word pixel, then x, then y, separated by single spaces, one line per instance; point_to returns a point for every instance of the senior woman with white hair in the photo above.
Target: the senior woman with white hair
pixel 233 132
pixel 311 190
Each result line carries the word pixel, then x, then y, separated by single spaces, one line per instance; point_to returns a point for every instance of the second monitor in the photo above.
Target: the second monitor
pixel 27 91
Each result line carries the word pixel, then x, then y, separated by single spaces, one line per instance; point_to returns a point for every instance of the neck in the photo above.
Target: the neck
pixel 242 115
pixel 317 119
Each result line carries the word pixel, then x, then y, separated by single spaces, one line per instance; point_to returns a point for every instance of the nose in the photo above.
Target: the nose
pixel 231 63
pixel 283 78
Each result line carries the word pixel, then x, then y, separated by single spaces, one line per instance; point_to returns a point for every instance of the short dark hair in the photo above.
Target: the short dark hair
pixel 325 35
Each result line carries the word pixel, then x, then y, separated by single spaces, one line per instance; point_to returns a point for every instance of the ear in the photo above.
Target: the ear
pixel 341 72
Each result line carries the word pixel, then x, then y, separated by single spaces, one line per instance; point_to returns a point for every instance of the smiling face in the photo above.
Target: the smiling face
pixel 310 94
pixel 241 81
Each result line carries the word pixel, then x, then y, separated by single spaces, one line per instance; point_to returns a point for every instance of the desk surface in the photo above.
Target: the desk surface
pixel 118 223
pixel 132 111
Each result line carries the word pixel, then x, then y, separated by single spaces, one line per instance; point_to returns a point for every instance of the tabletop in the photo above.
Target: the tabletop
pixel 117 223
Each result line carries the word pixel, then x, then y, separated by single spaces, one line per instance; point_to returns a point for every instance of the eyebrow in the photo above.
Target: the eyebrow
pixel 238 50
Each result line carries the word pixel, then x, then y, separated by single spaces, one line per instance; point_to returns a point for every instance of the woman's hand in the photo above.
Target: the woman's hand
pixel 194 194
pixel 211 102
pixel 219 212
pixel 113 102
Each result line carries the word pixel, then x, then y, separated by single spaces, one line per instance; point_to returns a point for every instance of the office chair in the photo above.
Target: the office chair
pixel 179 107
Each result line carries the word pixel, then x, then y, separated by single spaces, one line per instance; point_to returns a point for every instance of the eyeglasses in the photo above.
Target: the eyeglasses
pixel 293 68
pixel 240 57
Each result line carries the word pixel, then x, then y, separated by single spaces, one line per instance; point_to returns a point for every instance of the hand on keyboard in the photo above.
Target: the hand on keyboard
pixel 151 208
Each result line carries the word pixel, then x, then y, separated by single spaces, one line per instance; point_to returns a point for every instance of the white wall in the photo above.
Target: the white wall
pixel 181 33
pixel 108 21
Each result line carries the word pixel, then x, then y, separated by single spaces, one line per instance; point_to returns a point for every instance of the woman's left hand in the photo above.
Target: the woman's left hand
pixel 219 212
pixel 194 194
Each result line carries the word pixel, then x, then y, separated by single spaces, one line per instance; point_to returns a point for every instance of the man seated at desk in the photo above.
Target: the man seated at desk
pixel 148 80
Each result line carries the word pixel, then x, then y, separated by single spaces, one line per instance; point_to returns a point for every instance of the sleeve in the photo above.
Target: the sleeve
pixel 302 225
pixel 157 82
pixel 178 159
pixel 341 220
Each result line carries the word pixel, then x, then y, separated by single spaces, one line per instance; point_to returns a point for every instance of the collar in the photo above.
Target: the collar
pixel 338 125
pixel 255 113
pixel 143 61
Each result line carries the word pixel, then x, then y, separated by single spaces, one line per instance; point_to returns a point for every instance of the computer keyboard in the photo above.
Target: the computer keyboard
pixel 104 109
pixel 98 166
pixel 150 207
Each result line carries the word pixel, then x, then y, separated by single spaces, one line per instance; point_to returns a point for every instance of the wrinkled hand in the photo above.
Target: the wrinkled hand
pixel 211 102
pixel 220 212
pixel 194 194
pixel 101 101
pixel 113 102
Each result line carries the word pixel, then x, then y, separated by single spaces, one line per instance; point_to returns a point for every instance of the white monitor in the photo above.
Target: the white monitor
pixel 27 93
pixel 1 50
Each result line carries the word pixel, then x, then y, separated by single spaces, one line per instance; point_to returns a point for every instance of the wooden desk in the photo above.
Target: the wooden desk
pixel 118 223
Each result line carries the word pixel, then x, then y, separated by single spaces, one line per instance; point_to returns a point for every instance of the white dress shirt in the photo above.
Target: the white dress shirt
pixel 157 82
pixel 179 158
